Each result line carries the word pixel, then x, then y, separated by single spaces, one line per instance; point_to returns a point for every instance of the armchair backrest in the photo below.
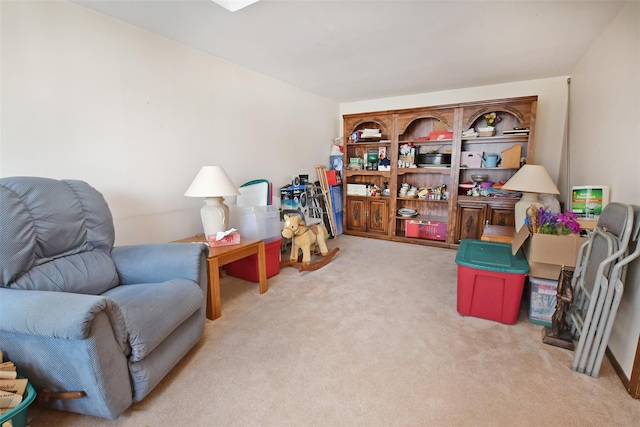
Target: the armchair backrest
pixel 55 235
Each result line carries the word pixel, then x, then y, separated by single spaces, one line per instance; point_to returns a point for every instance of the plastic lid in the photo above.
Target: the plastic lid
pixel 491 256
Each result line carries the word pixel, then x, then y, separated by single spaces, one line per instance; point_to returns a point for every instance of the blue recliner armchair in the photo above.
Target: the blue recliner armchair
pixel 76 313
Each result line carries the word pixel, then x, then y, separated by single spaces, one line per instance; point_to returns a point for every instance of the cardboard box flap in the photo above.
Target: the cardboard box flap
pixel 518 240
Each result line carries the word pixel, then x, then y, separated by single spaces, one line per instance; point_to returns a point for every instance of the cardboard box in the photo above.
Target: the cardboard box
pixel 357 190
pixel 334 177
pixel 440 135
pixel 547 253
pixel 588 201
pixel 291 197
pixel 470 159
pixel 511 157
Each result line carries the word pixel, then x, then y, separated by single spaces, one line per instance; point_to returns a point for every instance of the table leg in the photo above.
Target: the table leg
pixel 262 267
pixel 213 302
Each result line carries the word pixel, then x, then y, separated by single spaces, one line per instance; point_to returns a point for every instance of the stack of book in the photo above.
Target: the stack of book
pixel 371 134
pixel 516 131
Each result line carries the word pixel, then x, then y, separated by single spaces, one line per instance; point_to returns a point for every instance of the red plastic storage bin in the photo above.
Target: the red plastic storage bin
pixel 433 230
pixel 490 280
pixel 247 268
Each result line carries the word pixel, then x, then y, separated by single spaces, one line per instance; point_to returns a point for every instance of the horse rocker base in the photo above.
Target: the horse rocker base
pixel 310 266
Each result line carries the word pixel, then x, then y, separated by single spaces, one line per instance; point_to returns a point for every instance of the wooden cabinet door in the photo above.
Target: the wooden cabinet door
pixel 356 214
pixel 470 219
pixel 378 219
pixel 501 216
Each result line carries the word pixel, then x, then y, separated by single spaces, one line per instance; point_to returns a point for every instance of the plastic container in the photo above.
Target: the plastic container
pixel 17 417
pixel 256 222
pixel 490 280
pixel 247 268
pixel 542 302
pixel 433 230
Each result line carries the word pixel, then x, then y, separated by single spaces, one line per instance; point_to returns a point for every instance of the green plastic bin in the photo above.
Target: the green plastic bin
pixel 17 417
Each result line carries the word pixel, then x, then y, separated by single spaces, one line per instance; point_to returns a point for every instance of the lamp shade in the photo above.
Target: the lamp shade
pixel 532 179
pixel 212 181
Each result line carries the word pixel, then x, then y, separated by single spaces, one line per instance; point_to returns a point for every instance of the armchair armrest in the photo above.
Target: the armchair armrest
pixel 60 315
pixel 160 262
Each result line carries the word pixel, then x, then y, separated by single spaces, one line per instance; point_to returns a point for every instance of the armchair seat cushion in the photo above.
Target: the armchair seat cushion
pixel 153 310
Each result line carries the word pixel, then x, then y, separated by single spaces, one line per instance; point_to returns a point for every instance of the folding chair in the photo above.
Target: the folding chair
pixel 612 300
pixel 604 248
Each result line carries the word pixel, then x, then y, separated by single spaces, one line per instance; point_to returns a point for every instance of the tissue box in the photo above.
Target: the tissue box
pixel 228 240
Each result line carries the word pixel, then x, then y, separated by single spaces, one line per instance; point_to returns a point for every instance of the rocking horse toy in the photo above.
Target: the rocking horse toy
pixel 309 240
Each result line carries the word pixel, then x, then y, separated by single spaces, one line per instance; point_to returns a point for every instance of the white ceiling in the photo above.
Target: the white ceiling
pixel 366 49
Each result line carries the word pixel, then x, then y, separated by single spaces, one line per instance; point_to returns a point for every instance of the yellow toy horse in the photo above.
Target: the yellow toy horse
pixel 305 238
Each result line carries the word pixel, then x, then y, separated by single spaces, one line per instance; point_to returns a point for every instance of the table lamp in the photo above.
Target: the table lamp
pixel 531 180
pixel 213 183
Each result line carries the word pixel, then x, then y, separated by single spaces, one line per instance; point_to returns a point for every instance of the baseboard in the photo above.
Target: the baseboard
pixel 623 377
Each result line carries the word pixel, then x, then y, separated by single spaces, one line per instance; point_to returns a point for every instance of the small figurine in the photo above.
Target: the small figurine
pixel 558 335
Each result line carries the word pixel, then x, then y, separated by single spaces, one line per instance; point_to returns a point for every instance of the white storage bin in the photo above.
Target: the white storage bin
pixel 542 304
pixel 256 222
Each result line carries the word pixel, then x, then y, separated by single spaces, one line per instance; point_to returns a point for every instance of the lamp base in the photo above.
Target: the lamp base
pixel 215 216
pixel 520 209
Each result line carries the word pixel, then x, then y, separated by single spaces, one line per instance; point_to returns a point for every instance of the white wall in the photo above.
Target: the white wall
pixel 605 144
pixel 137 115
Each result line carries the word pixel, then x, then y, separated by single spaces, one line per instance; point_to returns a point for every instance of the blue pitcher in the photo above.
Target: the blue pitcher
pixel 491 160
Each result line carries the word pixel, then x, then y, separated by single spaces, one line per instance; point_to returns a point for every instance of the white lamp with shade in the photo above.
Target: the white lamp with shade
pixel 213 183
pixel 531 180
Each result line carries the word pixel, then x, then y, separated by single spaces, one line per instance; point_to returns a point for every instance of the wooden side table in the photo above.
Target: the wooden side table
pixel 223 255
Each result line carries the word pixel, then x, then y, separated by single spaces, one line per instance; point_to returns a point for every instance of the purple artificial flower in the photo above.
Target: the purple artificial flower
pixel 551 223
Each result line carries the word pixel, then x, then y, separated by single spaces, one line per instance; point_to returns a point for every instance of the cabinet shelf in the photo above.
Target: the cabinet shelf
pixel 421 200
pixel 385 174
pixel 485 169
pixel 427 142
pixel 442 170
pixel 358 196
pixel 423 218
pixel 370 144
pixel 496 139
pixel 481 199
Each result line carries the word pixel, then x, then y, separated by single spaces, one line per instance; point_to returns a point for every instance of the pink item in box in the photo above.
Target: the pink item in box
pixel 228 240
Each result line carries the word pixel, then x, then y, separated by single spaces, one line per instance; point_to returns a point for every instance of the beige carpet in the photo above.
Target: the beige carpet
pixel 372 339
